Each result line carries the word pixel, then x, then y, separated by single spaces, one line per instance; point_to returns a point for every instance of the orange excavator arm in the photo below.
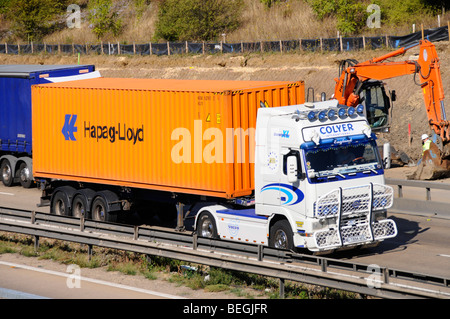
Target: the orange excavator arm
pixel 426 67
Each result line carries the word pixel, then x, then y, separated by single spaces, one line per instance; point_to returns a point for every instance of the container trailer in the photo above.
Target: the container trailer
pixel 15 114
pixel 248 160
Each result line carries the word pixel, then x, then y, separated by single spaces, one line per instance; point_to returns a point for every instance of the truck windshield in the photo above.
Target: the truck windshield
pixel 341 160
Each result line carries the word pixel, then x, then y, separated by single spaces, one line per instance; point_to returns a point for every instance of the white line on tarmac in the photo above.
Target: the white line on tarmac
pixel 9 194
pixel 100 282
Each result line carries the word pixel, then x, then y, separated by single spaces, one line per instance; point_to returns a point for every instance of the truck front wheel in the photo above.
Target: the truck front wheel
pixel 206 226
pixel 281 236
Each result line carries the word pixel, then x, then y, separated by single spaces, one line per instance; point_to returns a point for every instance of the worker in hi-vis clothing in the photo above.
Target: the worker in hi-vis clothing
pixel 426 142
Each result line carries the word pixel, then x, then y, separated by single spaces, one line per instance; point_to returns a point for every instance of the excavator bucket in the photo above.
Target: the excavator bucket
pixel 433 165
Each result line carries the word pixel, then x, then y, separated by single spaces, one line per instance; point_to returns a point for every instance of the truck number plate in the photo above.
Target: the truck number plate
pixel 354 239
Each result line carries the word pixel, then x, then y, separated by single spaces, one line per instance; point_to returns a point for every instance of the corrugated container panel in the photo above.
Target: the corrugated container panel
pixel 157 134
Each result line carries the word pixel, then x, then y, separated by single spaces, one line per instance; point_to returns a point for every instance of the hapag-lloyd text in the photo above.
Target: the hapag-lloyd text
pixel 121 131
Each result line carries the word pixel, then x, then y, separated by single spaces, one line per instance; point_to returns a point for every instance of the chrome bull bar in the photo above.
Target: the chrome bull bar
pixel 353 209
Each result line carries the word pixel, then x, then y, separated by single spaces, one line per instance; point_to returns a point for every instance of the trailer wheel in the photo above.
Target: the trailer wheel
pixel 79 206
pixel 25 176
pixel 101 212
pixel 206 226
pixel 60 204
pixel 81 203
pixel 281 236
pixel 6 170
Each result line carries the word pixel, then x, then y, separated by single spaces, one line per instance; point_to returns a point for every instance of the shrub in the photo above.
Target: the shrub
pixel 269 3
pixel 104 18
pixel 182 20
pixel 351 15
pixel 140 6
pixel 403 12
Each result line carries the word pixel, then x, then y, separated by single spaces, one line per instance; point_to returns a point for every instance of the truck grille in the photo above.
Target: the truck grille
pixel 353 209
pixel 354 200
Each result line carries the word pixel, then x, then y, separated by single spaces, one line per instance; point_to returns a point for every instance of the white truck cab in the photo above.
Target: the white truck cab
pixel 319 183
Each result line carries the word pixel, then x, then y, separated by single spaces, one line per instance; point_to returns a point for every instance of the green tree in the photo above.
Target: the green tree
pixel 104 18
pixel 182 20
pixel 33 19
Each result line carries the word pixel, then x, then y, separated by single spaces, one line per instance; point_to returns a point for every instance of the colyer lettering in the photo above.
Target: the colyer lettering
pixel 338 128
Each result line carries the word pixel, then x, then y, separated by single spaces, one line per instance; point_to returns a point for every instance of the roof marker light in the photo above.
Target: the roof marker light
pixel 351 110
pixel 342 112
pixel 322 115
pixel 360 109
pixel 331 114
pixel 311 115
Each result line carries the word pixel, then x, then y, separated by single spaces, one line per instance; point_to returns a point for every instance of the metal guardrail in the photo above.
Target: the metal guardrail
pixel 285 265
pixel 422 206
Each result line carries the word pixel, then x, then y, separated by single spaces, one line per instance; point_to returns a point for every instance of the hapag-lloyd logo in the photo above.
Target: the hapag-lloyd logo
pixel 113 133
pixel 69 127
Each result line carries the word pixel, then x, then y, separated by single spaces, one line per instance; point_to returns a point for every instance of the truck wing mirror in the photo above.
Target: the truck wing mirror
pixel 292 166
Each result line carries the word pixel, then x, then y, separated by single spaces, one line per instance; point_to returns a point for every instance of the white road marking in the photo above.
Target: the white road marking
pixel 443 255
pixel 9 194
pixel 96 281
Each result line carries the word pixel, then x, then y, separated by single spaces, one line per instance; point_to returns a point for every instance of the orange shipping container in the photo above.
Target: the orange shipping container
pixel 188 136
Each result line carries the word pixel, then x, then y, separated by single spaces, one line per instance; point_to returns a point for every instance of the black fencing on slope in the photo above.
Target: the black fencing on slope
pixel 169 48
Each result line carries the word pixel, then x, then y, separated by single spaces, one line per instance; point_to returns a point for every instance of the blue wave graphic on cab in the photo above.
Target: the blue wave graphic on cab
pixel 293 194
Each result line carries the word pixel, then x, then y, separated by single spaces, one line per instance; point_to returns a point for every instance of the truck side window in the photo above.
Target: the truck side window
pixel 299 166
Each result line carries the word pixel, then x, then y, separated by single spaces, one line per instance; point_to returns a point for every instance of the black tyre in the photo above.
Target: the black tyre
pixel 79 206
pixel 7 173
pixel 81 203
pixel 100 211
pixel 281 236
pixel 60 204
pixel 206 226
pixel 25 177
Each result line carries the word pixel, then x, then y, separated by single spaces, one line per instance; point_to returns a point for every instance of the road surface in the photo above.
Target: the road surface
pixel 19 281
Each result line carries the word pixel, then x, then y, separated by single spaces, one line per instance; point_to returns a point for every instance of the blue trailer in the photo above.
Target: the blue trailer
pixel 15 114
